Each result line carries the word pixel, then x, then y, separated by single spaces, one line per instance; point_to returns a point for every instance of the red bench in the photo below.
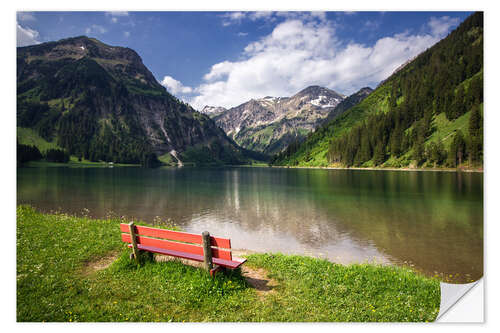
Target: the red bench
pixel 202 248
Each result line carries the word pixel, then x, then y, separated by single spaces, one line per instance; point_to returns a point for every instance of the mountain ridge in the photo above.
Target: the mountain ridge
pixel 269 124
pixel 100 102
pixel 428 113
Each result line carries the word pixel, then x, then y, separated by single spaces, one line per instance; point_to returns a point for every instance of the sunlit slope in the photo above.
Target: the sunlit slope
pixel 418 117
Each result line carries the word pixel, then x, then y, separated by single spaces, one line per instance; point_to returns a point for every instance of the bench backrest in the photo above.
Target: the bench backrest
pixel 177 241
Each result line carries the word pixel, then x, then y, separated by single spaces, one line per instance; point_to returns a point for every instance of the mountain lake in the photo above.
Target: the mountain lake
pixel 431 221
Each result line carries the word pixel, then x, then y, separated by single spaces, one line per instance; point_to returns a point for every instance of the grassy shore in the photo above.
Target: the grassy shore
pixel 74 163
pixel 77 269
pixel 339 167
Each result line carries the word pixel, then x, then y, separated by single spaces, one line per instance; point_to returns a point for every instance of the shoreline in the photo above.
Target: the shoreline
pixel 381 169
pixel 71 164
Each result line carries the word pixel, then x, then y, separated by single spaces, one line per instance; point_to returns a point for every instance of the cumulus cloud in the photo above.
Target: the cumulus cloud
pixel 174 86
pixel 95 29
pixel 441 26
pixel 26 36
pixel 301 52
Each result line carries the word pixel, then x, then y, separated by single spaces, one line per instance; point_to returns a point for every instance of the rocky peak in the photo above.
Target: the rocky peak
pixel 364 91
pixel 318 96
pixel 347 103
pixel 268 124
pixel 210 110
pixel 317 91
pixel 81 46
pixel 115 59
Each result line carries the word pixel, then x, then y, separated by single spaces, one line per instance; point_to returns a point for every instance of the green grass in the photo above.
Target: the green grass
pixel 55 283
pixel 28 136
pixel 167 159
pixel 255 138
pixel 446 128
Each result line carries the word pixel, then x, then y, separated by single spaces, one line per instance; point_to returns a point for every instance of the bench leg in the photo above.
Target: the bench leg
pixel 216 269
pixel 142 256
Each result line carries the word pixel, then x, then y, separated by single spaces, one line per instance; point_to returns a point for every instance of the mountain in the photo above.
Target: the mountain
pixel 99 102
pixel 213 110
pixel 348 103
pixel 269 124
pixel 428 113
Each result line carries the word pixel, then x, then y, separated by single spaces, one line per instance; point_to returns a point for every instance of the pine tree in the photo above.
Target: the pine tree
pixel 475 144
pixel 457 150
pixel 419 152
pixel 475 122
pixel 396 140
pixel 379 154
pixel 459 105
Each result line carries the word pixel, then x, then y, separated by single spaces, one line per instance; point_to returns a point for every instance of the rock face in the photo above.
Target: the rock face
pixel 269 124
pixel 213 110
pixel 348 103
pixel 100 102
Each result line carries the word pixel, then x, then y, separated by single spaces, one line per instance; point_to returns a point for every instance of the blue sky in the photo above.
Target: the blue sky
pixel 227 58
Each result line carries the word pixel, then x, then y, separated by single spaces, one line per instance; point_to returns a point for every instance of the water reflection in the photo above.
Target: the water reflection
pixel 433 220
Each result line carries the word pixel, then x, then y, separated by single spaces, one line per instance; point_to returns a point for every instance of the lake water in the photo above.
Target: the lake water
pixel 432 221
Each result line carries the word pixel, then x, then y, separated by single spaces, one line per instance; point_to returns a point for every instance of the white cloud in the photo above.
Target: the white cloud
pixel 260 15
pixel 26 36
pixel 25 16
pixel 116 13
pixel 175 86
pixel 95 29
pixel 242 34
pixel 232 18
pixel 441 26
pixel 304 16
pixel 126 34
pixel 237 17
pixel 305 51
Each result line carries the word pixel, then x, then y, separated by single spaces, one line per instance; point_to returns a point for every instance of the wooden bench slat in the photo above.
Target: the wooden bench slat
pixel 229 263
pixel 165 244
pixel 221 262
pixel 177 235
pixel 173 253
pixel 220 242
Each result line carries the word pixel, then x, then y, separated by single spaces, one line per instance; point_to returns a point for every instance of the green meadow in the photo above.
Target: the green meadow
pixel 76 269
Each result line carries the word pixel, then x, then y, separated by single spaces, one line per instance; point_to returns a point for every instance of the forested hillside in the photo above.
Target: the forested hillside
pixel 100 103
pixel 428 114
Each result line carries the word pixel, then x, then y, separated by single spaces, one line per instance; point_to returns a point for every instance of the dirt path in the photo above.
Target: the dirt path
pixel 98 264
pixel 258 279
